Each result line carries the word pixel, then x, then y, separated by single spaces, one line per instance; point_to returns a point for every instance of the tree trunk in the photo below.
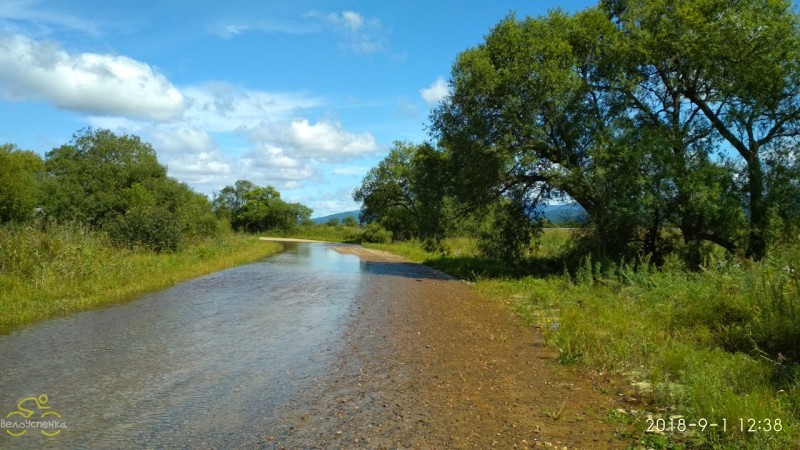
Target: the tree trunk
pixel 759 220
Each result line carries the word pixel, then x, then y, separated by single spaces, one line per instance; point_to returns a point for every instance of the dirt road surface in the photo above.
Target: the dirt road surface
pixel 429 363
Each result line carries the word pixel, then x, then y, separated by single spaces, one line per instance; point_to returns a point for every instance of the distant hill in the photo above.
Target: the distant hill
pixel 340 216
pixel 564 214
pixel 558 214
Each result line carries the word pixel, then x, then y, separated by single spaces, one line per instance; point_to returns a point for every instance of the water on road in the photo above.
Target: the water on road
pixel 207 363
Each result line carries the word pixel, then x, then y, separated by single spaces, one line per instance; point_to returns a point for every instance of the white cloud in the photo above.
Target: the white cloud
pixel 94 83
pixel 190 154
pixel 357 34
pixel 218 106
pixel 436 92
pixel 262 142
pixel 323 140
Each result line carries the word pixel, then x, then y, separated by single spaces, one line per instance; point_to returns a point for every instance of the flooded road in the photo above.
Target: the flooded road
pixel 321 346
pixel 207 363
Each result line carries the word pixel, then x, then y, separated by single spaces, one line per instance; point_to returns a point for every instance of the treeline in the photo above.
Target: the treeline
pixel 114 185
pixel 674 125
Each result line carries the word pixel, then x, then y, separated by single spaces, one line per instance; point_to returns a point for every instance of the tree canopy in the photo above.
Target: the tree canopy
pixel 254 208
pixel 116 184
pixel 634 109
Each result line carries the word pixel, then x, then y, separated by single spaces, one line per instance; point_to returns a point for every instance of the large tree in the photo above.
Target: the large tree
pixel 405 192
pixel 88 177
pixel 116 183
pixel 524 123
pixel 629 109
pixel 738 63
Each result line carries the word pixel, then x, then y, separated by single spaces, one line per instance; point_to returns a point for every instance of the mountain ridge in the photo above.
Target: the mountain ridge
pixel 557 214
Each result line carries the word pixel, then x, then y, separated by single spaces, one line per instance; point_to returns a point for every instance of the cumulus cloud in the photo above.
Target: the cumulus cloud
pixel 190 154
pixel 288 154
pixel 324 140
pixel 260 139
pixel 98 84
pixel 357 34
pixel 436 92
pixel 208 134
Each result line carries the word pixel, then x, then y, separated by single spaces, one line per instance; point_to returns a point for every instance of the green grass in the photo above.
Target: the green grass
pixel 337 233
pixel 723 343
pixel 68 269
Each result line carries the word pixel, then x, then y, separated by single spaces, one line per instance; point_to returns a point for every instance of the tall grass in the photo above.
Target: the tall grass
pixel 330 233
pixel 66 268
pixel 722 343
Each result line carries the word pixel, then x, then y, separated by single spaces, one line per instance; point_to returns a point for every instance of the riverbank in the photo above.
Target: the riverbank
pixel 69 269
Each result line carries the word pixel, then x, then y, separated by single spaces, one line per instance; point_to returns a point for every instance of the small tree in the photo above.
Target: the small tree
pixel 19 183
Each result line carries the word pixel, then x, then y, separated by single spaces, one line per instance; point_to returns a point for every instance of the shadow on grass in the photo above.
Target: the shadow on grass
pixel 473 267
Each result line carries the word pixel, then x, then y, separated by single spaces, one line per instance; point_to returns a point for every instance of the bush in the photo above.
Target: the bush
pixel 376 234
pixel 152 228
pixel 507 234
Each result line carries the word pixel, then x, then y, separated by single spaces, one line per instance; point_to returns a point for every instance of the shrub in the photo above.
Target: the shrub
pixel 153 228
pixel 376 234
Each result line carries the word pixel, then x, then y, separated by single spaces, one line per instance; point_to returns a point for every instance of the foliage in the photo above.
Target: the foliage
pixel 375 233
pixel 507 234
pixel 387 193
pixel 116 184
pixel 405 192
pixel 19 187
pixel 147 227
pixel 783 191
pixel 739 67
pixel 87 179
pixel 350 221
pixel 656 116
pixel 231 198
pixel 255 209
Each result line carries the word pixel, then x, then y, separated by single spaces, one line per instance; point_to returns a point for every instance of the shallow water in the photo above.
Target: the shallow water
pixel 206 363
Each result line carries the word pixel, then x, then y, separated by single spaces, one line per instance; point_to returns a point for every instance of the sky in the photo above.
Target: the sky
pixel 303 95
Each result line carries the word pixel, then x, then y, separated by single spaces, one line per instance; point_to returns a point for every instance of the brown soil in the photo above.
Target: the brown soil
pixel 429 363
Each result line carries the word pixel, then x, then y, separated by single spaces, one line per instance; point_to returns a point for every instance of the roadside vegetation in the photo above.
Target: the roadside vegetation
pixel 717 343
pixel 66 268
pixel 98 221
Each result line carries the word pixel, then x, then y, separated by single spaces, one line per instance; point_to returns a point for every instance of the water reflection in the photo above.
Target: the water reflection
pixel 205 363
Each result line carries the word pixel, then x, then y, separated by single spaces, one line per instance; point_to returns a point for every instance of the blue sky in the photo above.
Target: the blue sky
pixel 303 95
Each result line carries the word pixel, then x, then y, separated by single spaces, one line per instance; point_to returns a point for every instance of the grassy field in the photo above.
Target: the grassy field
pixel 719 346
pixel 67 269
